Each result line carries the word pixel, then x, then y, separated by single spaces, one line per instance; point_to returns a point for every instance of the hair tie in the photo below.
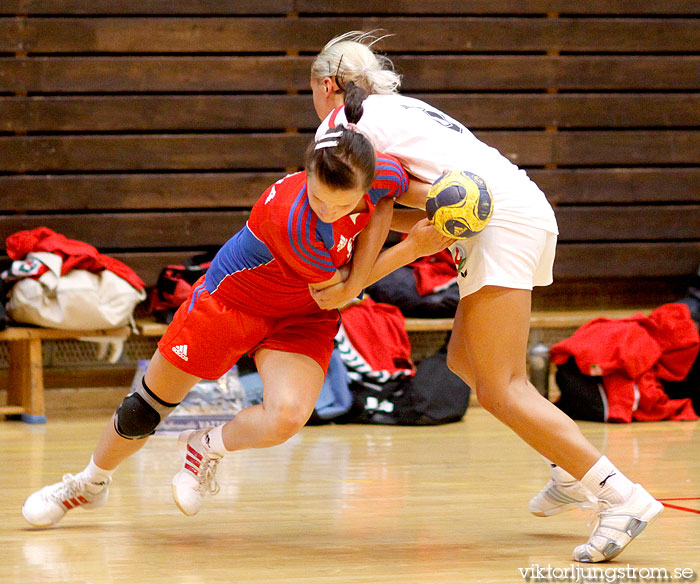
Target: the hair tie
pixel 329 139
pixel 352 127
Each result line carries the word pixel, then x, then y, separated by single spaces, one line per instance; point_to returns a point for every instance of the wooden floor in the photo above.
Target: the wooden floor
pixel 341 505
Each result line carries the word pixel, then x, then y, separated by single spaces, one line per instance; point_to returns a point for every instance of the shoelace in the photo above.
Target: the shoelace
pixel 207 481
pixel 70 488
pixel 596 510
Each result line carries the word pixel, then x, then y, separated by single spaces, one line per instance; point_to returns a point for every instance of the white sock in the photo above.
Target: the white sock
pixel 606 482
pixel 213 442
pixel 96 477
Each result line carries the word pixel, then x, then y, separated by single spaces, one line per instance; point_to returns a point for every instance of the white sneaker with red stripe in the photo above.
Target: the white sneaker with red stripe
pixel 197 478
pixel 47 506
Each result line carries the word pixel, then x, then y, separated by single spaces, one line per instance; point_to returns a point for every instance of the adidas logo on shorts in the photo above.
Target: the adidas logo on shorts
pixel 181 351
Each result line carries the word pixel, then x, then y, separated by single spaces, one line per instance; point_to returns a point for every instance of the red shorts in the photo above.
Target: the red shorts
pixel 206 337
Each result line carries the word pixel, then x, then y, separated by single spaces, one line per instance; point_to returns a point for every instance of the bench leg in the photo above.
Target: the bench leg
pixel 26 383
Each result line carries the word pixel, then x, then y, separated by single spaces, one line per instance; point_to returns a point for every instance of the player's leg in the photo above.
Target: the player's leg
pixel 495 325
pixel 563 492
pixel 521 257
pixel 291 385
pixel 163 387
pixel 457 351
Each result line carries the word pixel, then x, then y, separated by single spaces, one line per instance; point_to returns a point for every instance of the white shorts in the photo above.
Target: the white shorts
pixel 516 256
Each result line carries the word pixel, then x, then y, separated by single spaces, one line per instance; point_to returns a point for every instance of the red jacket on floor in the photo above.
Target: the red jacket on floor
pixel 378 332
pixel 632 355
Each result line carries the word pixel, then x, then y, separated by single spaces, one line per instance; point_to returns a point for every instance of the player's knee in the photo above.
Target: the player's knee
pixel 488 402
pixel 454 364
pixel 459 368
pixel 140 413
pixel 504 400
pixel 287 420
pixel 135 418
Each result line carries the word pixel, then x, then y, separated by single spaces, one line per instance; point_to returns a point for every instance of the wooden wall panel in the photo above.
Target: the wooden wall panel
pixel 104 192
pixel 541 7
pixel 149 152
pixel 585 274
pixel 153 74
pixel 153 113
pixel 508 73
pixel 198 112
pixel 413 34
pixel 269 151
pixel 111 7
pixel 608 274
pixel 149 129
pixel 110 231
pixel 272 7
pixel 212 228
pixel 636 261
pixel 89 192
pixel 112 74
pixel 567 110
pixel 619 185
pixel 637 222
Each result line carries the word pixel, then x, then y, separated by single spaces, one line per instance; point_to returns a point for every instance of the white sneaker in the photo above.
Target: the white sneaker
pixel 197 478
pixel 47 506
pixel 618 525
pixel 557 497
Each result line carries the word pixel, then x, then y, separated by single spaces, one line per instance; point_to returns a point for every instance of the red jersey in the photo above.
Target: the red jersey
pixel 265 269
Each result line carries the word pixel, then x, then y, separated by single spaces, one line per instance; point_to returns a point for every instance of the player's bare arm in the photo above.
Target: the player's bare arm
pixel 367 247
pixel 338 277
pixel 403 220
pixel 423 240
pixel 414 197
pixel 416 194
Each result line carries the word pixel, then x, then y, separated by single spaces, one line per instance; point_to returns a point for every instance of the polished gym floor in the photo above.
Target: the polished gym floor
pixel 342 505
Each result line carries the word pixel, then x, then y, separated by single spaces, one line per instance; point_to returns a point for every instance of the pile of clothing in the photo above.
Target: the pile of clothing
pixel 63 283
pixel 618 370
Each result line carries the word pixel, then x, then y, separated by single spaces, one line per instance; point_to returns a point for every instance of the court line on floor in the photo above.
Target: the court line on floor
pixel 678 506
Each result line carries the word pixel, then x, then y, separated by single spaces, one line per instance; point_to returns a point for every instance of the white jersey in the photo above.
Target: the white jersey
pixel 428 142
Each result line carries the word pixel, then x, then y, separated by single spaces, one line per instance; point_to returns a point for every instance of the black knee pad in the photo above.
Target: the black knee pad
pixel 135 418
pixel 140 413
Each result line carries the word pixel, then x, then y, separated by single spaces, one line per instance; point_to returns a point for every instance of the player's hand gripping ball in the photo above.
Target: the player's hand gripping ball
pixel 459 204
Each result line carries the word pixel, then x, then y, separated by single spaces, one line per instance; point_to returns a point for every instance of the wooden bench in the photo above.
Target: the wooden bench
pixel 25 390
pixel 547 320
pixel 538 320
pixel 416 327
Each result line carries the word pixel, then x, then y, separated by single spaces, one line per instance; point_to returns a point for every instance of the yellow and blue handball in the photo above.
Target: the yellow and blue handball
pixel 459 204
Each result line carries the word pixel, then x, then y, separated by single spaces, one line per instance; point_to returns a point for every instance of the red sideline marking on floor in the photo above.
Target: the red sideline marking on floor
pixel 679 507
